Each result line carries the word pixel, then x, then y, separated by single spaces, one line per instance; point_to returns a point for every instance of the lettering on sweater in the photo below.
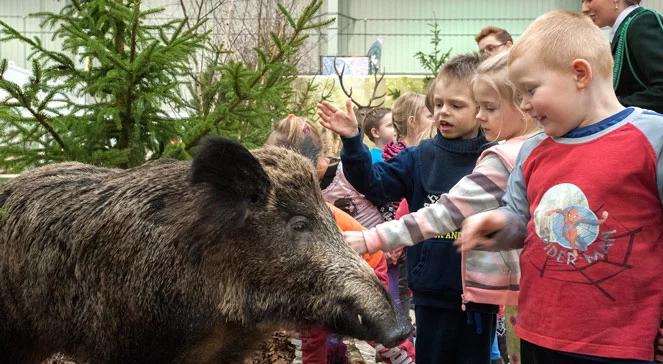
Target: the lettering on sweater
pixel 450 236
pixel 432 199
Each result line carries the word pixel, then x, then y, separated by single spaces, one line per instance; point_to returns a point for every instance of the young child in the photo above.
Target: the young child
pixel 585 201
pixel 412 122
pixel 445 334
pixel 410 119
pixel 379 129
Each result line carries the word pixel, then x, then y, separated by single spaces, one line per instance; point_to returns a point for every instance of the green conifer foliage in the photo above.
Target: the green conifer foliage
pixel 100 99
pixel 121 90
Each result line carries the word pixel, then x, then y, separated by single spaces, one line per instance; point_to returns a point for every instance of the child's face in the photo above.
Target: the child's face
pixel 500 119
pixel 454 109
pixel 550 96
pixel 423 120
pixel 602 12
pixel 321 168
pixel 386 132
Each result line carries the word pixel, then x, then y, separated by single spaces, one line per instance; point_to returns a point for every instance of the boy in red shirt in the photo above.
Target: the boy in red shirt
pixel 585 199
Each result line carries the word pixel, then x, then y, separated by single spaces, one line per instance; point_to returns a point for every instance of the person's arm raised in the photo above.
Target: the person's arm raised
pixel 343 123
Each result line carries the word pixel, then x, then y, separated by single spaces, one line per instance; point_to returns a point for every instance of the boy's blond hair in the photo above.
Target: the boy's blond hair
pixel 559 37
pixel 408 104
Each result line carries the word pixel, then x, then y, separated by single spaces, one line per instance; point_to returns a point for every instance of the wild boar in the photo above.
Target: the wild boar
pixel 177 261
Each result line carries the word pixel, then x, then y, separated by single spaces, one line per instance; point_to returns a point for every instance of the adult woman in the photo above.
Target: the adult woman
pixel 636 38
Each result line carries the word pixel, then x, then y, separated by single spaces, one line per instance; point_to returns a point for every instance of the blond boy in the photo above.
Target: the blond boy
pixel 585 199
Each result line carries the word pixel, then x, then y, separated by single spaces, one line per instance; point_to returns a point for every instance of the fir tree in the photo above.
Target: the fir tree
pixel 105 104
pixel 432 62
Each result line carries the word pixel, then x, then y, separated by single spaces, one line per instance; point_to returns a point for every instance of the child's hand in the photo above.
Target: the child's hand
pixel 477 229
pixel 334 119
pixel 392 256
pixel 356 241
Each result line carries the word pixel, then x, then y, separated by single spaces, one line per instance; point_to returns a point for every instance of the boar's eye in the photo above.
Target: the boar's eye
pixel 299 224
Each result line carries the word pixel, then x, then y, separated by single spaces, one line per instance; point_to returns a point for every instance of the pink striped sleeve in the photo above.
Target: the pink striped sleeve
pixel 480 191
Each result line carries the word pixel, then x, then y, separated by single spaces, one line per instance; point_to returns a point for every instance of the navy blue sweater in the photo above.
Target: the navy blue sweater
pixel 420 175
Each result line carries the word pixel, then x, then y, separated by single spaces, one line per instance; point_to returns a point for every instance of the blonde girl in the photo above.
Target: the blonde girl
pixel 302 136
pixel 412 121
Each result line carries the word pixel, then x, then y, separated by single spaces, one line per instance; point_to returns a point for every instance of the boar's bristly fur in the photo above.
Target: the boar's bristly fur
pixel 175 261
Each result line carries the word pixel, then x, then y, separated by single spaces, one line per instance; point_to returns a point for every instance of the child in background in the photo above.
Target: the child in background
pixel 411 118
pixel 412 121
pixel 584 199
pixel 445 333
pixel 379 129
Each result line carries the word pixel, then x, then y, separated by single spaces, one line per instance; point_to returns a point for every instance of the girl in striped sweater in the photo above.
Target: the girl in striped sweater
pixel 504 122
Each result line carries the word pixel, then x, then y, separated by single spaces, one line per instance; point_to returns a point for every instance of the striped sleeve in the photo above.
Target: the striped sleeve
pixel 480 191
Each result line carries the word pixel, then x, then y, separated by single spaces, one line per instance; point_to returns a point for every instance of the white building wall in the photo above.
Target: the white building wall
pixel 403 25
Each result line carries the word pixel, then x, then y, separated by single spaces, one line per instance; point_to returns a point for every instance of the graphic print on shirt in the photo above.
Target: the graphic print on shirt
pixel 432 199
pixel 564 218
pixel 575 244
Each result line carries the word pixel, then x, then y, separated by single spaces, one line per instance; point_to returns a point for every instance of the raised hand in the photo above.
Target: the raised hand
pixel 343 123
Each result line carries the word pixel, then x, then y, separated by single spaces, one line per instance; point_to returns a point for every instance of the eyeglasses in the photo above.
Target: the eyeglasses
pixel 491 48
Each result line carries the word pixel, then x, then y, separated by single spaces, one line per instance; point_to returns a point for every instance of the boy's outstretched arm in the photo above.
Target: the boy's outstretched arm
pixel 506 227
pixel 343 123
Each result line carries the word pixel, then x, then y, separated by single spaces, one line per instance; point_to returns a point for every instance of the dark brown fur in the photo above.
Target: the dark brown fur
pixel 176 261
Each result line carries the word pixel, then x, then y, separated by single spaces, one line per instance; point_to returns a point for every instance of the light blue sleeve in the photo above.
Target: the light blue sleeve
pixel 651 125
pixel 516 206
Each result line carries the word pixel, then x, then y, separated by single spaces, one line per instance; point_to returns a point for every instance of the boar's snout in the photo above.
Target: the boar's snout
pixel 397 333
pixel 388 331
pixel 385 325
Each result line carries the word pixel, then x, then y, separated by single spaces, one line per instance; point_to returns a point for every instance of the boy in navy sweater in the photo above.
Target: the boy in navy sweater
pixel 445 333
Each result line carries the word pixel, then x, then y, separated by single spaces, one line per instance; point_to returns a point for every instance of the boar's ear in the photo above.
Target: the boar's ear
pixel 235 174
